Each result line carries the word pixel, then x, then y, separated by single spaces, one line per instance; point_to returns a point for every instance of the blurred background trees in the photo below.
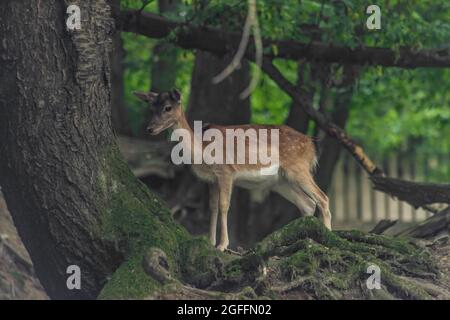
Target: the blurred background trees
pixel 394 113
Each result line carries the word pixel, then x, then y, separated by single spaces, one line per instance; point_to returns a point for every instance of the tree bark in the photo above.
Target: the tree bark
pixel 120 118
pixel 61 172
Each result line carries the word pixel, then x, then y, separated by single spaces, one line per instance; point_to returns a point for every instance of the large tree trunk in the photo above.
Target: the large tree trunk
pixel 60 169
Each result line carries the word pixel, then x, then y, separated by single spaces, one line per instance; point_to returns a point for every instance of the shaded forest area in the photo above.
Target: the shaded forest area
pixel 86 185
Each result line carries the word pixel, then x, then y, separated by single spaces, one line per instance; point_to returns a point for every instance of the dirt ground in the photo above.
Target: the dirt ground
pixel 17 278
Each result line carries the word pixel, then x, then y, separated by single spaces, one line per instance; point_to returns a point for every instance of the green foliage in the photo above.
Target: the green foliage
pixel 415 23
pixel 403 110
pixel 137 75
pixel 270 105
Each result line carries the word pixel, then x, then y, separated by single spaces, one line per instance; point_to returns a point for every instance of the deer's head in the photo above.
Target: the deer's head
pixel 165 109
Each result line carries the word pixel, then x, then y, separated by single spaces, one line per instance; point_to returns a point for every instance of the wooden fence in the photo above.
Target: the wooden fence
pixel 352 197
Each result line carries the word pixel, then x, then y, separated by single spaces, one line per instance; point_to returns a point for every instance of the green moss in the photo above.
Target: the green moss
pixel 333 263
pixel 304 262
pixel 233 271
pixel 308 227
pixel 129 282
pixel 134 220
pixel 201 262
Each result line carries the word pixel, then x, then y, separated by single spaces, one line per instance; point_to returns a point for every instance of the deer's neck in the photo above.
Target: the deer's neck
pixel 194 143
pixel 182 123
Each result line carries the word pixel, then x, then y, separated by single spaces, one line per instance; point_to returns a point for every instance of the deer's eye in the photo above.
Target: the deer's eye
pixel 167 109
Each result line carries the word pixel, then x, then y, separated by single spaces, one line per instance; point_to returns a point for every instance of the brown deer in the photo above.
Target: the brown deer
pixel 292 177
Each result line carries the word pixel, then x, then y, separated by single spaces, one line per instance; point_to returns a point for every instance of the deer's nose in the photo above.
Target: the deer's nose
pixel 150 130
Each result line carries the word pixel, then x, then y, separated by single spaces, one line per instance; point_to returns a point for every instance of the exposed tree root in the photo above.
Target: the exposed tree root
pixel 303 260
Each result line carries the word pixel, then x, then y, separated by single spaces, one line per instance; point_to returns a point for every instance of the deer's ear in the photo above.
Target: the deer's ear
pixel 175 94
pixel 141 95
pixel 146 96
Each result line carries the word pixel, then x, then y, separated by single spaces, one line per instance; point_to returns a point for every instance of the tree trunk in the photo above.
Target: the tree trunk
pixel 164 66
pixel 120 118
pixel 70 194
pixel 218 103
pixel 330 147
pixel 164 57
pixel 298 118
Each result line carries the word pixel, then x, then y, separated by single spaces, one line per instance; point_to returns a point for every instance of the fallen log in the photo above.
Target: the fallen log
pixel 418 194
pixel 382 226
pixel 433 227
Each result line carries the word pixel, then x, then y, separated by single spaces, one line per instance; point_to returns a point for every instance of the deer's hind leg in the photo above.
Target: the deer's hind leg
pixel 304 185
pixel 305 204
pixel 323 203
pixel 214 208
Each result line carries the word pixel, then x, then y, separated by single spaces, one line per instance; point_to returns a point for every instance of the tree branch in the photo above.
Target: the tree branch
pixel 219 42
pixel 330 128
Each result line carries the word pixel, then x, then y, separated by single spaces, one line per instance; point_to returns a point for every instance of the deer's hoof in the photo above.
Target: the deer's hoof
pixel 222 247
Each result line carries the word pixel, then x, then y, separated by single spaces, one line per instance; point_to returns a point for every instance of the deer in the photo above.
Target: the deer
pixel 292 177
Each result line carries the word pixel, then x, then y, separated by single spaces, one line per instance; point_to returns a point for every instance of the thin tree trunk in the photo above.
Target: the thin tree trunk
pixel 69 191
pixel 330 147
pixel 164 68
pixel 298 118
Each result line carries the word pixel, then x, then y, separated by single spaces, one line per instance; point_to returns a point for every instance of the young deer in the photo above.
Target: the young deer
pixel 292 177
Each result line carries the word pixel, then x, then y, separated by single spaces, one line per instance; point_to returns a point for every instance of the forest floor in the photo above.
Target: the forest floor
pixel 18 281
pixel 17 278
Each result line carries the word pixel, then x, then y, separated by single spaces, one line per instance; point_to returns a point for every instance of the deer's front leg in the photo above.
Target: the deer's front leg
pixel 214 208
pixel 225 188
